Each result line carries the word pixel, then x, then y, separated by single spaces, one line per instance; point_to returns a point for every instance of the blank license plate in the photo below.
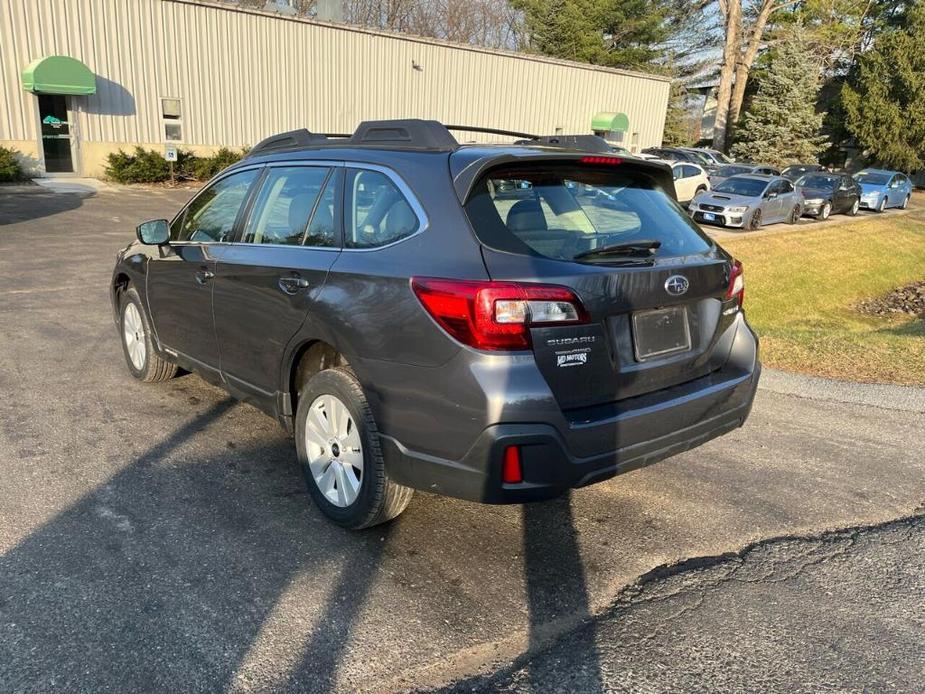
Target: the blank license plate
pixel 661 332
pixel 709 217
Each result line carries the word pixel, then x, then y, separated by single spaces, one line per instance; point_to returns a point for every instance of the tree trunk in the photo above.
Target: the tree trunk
pixel 733 16
pixel 746 59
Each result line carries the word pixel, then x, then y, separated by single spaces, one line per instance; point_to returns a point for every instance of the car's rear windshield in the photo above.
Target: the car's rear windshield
pixel 740 185
pixel 817 181
pixel 560 211
pixel 797 169
pixel 874 178
pixel 732 170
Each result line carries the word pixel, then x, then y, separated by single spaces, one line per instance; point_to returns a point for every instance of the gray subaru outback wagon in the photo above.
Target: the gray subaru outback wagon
pixel 416 325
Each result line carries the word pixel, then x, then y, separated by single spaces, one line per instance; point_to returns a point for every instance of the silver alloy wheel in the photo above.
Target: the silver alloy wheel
pixel 133 332
pixel 855 207
pixel 335 453
pixel 826 211
pixel 906 202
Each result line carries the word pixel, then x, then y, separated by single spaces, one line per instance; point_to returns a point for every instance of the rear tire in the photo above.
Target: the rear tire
pixel 754 222
pixel 794 215
pixel 341 458
pixel 143 362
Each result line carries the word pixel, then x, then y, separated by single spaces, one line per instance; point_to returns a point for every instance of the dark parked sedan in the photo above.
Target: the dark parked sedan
pixel 829 193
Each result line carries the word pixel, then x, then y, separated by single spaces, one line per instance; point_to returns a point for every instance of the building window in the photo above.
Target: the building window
pixel 172 118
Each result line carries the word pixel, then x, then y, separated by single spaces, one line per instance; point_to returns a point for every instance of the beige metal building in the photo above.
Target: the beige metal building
pixel 82 78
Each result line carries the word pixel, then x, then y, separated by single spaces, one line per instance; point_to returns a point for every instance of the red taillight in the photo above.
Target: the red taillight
pixel 496 315
pixel 736 288
pixel 613 161
pixel 512 471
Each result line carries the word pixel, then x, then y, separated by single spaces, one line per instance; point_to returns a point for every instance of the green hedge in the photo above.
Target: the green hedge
pixel 149 166
pixel 10 170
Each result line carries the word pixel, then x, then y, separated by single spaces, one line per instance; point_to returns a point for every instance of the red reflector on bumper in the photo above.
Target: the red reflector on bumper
pixel 512 472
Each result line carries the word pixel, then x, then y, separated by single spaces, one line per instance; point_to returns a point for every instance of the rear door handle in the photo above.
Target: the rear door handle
pixel 292 284
pixel 204 276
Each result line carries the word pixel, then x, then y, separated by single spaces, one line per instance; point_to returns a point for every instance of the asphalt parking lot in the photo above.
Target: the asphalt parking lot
pixel 160 536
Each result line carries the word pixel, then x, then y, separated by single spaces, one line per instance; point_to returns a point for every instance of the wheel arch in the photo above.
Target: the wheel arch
pixel 308 357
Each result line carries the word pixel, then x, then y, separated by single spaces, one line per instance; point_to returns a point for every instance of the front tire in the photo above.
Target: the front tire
pixel 338 446
pixel 882 206
pixel 143 362
pixel 905 204
pixel 854 208
pixel 825 211
pixel 754 223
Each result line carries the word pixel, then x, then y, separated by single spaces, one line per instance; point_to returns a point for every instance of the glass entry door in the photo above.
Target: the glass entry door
pixel 56 133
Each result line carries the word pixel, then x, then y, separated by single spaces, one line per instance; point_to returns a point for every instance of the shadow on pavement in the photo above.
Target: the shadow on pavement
pixel 125 592
pixel 22 207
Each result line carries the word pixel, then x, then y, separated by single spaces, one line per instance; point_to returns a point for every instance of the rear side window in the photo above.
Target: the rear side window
pixel 690 171
pixel 211 216
pixel 286 201
pixel 378 212
pixel 561 211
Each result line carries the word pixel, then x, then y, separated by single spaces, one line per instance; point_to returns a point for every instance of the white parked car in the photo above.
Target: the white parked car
pixel 690 180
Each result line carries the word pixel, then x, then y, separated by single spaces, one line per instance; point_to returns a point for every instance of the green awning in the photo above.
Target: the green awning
pixel 58 74
pixel 610 122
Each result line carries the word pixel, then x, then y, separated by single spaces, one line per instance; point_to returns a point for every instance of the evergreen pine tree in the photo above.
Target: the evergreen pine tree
pixel 885 106
pixel 781 125
pixel 677 119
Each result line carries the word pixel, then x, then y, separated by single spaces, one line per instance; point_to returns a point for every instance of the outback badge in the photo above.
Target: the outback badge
pixel 676 285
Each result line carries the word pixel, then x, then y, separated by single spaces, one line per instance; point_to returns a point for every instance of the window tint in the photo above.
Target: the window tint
pixel 284 204
pixel 566 211
pixel 378 212
pixel 785 186
pixel 690 171
pixel 740 185
pixel 211 216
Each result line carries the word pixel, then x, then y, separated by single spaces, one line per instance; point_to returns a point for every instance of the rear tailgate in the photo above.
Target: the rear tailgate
pixel 654 319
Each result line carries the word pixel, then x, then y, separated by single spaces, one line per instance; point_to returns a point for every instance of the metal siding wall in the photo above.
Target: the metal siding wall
pixel 242 76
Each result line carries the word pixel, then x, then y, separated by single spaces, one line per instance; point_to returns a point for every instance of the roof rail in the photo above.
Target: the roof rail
pixel 491 131
pixel 293 138
pixel 407 132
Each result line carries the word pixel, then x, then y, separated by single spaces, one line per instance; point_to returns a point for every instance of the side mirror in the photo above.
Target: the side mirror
pixel 771 196
pixel 155 232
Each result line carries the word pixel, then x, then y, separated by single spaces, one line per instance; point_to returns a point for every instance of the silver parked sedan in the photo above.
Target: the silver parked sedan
pixel 747 201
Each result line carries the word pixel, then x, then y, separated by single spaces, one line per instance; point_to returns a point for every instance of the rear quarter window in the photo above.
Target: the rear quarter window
pixel 561 211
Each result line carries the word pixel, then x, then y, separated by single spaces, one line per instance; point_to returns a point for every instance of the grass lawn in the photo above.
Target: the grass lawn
pixel 801 289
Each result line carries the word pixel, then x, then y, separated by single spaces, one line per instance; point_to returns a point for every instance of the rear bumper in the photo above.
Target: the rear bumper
pixel 631 435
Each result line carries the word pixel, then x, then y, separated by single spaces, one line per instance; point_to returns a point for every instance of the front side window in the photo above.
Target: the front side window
pixel 567 211
pixel 379 214
pixel 287 200
pixel 211 216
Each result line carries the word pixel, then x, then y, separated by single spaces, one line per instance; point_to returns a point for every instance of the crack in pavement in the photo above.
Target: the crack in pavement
pixel 773 561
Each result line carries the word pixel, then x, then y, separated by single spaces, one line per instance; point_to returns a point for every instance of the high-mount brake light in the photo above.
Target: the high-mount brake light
pixel 496 315
pixel 736 288
pixel 613 161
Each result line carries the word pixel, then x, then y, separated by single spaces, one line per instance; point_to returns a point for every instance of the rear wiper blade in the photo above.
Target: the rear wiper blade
pixel 638 248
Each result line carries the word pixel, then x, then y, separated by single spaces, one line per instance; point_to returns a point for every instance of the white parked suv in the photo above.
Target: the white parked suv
pixel 690 180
